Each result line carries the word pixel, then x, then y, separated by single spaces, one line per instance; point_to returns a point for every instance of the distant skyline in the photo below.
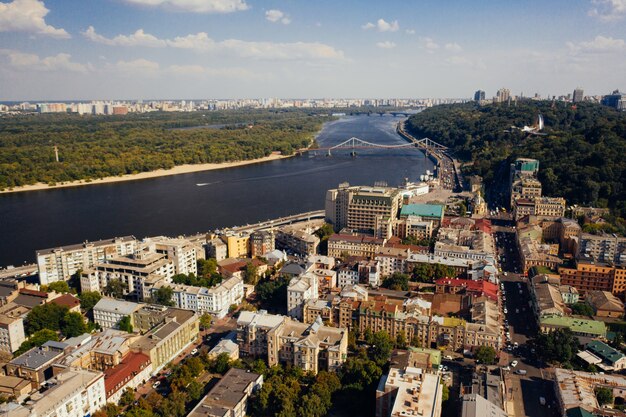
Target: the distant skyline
pixel 144 49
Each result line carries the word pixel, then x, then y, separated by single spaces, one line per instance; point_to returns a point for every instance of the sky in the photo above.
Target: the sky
pixel 168 49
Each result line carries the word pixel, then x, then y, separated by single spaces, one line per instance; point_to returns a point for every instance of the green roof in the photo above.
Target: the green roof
pixel 435 354
pixel 422 210
pixel 576 325
pixel 604 351
pixel 578 412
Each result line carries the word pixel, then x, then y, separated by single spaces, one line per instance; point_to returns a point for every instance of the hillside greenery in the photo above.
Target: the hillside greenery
pixel 92 147
pixel 581 155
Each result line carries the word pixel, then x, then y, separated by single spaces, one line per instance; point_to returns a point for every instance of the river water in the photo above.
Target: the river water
pixel 177 205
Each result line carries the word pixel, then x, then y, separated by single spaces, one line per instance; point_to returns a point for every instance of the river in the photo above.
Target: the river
pixel 175 205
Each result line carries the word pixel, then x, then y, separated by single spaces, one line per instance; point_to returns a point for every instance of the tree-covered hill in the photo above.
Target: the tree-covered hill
pixel 582 157
pixel 99 146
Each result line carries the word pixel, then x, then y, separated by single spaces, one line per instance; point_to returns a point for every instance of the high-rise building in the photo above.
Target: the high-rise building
pixel 616 100
pixel 578 95
pixel 479 95
pixel 363 209
pixel 503 95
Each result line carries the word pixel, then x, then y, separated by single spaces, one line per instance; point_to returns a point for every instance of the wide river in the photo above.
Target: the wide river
pixel 176 205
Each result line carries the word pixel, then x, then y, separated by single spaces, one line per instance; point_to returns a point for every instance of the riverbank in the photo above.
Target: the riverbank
pixel 180 169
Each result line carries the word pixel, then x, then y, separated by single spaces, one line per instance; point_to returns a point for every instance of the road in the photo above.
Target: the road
pixel 18 271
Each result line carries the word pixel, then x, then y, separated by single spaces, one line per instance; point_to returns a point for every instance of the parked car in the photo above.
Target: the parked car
pixel 521 372
pixel 156 384
pixel 448 357
pixel 514 364
pixel 195 351
pixel 542 400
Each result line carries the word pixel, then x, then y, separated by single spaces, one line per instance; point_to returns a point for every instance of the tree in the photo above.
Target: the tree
pixel 445 393
pixel 58 286
pixel 401 342
pixel 207 267
pixel 486 355
pixel 127 398
pixel 205 321
pixel 45 316
pixel 37 339
pixel 126 324
pixel 397 281
pixel 163 296
pixel 73 324
pixel 222 363
pixel 195 390
pixel 382 345
pixel 582 309
pixel 115 288
pixel 88 299
pixel 604 395
pixel 557 346
pixel 251 274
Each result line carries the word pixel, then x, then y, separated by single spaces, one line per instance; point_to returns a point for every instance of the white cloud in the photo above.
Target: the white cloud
pixel 195 6
pixel 453 46
pixel 60 62
pixel 600 44
pixel 382 26
pixel 276 16
pixel 200 71
pixel 410 31
pixel 608 10
pixel 386 45
pixel 429 44
pixel 139 38
pixel 141 66
pixel 28 16
pixel 201 42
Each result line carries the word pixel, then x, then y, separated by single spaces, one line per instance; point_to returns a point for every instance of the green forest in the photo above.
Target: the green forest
pixel 92 147
pixel 581 156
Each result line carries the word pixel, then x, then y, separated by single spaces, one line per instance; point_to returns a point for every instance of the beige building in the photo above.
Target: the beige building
pixel 353 245
pixel 165 341
pixel 311 347
pixel 300 241
pixel 181 252
pixel 363 209
pixel 237 244
pixel 605 304
pixel 12 329
pixel 409 392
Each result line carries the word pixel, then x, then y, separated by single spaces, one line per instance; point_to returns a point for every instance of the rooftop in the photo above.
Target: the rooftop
pixel 604 351
pixel 117 306
pixel 131 365
pixel 37 357
pixel 576 325
pixel 79 246
pixel 226 394
pixel 422 210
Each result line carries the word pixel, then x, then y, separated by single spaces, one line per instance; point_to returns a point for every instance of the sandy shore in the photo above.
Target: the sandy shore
pixel 180 169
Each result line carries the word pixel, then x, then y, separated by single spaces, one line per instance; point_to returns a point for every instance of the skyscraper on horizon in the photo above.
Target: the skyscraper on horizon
pixel 479 95
pixel 503 95
pixel 578 95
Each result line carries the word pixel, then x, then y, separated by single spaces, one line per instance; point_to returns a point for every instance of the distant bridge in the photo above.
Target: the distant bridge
pixel 355 143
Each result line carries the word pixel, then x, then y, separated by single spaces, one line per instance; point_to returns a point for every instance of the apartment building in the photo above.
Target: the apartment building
pixel 607 248
pixel 217 249
pixel 413 226
pixel 135 271
pixel 363 208
pixel 539 206
pixel 12 333
pixel 238 244
pixel 310 347
pixel 586 275
pixel 134 370
pixel 524 187
pixel 353 245
pixel 75 393
pixel 108 312
pixel 392 260
pixel 262 242
pixel 300 290
pixel 296 240
pixel 215 300
pixel 58 264
pixel 426 212
pixel 183 254
pixel 409 392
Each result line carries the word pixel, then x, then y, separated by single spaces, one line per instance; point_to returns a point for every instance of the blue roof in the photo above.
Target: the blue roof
pixel 422 210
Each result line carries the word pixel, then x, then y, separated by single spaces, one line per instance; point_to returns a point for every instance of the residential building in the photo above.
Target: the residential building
pixel 603 356
pixel 67 300
pixel 616 100
pixel 217 249
pixel 371 272
pixel 165 341
pixel 503 95
pixel 524 187
pixel 227 345
pixel 392 260
pixel 108 312
pixel 539 206
pixel 546 297
pixel 215 300
pixel 414 227
pixel 606 248
pixel 363 208
pixel 362 245
pixel 348 275
pixel 36 363
pixel 98 352
pixel 229 397
pixel 407 392
pixel 586 275
pixel 300 242
pixel 578 95
pixel 534 253
pixel 427 212
pixel 134 271
pixel 58 264
pixel 261 242
pixel 75 393
pixel 181 252
pixel 300 290
pixel 14 386
pixel 279 339
pixel 576 391
pixel 474 405
pixel 149 316
pixel 12 329
pixel 605 304
pixel 134 370
pixel 569 294
pixel 479 95
pixel 238 244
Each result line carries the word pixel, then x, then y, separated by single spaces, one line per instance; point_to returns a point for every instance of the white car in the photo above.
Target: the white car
pixel 156 384
pixel 514 364
pixel 506 311
pixel 448 357
pixel 193 352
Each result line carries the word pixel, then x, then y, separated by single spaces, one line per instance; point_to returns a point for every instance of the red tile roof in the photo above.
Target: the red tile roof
pixel 130 366
pixel 483 287
pixel 33 293
pixel 67 300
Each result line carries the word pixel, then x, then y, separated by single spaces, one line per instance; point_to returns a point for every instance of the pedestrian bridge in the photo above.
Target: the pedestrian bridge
pixel 355 143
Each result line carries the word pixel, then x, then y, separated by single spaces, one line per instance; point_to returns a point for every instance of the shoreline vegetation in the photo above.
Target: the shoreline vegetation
pixel 177 170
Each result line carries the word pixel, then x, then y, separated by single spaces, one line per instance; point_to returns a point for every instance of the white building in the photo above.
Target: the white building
pixel 108 312
pixel 58 264
pixel 134 271
pixel 77 392
pixel 217 249
pixel 181 252
pixel 215 300
pixel 347 275
pixel 409 392
pixel 11 332
pixel 300 290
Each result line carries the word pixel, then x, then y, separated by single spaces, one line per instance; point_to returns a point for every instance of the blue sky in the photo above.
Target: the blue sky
pixel 142 49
